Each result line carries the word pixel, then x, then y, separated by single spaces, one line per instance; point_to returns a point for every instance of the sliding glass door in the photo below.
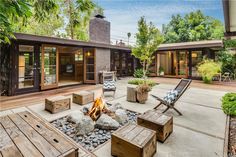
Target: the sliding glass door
pixel 28 70
pixel 182 64
pixel 49 67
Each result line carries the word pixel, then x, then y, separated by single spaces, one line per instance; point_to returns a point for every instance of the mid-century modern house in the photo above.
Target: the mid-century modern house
pixel 34 63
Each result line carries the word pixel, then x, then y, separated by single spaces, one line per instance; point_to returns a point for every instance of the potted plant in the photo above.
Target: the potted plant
pixel 161 71
pixel 142 92
pixel 148 38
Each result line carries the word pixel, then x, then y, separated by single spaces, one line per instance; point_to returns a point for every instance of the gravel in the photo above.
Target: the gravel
pixel 93 139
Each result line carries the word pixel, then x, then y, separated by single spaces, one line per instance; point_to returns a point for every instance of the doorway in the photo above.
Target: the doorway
pixel 28 69
pixel 70 66
pixel 173 63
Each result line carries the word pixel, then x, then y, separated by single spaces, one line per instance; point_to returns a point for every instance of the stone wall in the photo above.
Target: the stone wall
pixel 102 60
pixel 4 69
pixel 99 30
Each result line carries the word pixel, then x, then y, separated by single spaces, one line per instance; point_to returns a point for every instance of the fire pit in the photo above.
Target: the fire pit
pixel 99 122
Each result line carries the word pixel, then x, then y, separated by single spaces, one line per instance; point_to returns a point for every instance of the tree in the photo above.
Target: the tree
pixel 78 12
pixel 50 26
pixel 20 10
pixel 194 26
pixel 148 39
pixel 129 35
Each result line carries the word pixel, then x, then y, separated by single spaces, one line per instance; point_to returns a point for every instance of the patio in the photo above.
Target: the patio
pixel 199 132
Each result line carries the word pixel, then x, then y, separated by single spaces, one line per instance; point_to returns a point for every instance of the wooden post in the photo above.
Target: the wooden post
pixel 131 94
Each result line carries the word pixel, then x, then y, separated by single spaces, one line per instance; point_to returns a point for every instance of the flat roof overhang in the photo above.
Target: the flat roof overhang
pixel 162 47
pixel 229 7
pixel 191 45
pixel 70 42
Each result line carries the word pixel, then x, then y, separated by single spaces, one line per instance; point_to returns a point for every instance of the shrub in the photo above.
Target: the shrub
pixel 151 83
pixel 229 104
pixel 208 69
pixel 228 61
pixel 138 73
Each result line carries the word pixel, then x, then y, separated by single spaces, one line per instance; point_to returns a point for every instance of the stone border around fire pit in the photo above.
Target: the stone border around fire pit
pixel 93 140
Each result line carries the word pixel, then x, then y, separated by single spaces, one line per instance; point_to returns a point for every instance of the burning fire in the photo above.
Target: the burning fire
pixel 97 109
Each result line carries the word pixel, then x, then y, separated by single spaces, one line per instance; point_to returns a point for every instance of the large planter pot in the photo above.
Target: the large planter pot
pixel 142 97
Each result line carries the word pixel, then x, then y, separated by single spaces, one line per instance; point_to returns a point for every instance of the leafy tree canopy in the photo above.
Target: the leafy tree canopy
pixel 194 26
pixel 15 11
pixel 148 38
pixel 64 18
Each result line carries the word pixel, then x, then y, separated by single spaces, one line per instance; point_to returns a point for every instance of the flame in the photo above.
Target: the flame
pixel 97 109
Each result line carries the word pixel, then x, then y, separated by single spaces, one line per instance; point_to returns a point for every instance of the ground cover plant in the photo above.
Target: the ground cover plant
pixel 138 81
pixel 138 73
pixel 229 104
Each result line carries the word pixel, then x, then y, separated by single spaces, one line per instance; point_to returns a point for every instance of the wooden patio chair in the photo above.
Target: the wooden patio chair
pixel 108 83
pixel 226 76
pixel 174 95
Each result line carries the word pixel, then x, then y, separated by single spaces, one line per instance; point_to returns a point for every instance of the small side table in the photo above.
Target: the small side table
pixel 57 104
pixel 133 141
pixel 160 123
pixel 83 97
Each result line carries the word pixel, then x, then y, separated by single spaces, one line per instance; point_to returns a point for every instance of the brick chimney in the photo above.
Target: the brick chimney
pixel 99 29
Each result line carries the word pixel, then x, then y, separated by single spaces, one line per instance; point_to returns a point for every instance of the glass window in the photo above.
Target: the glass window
pixel 196 59
pixel 79 55
pixel 26 66
pixel 50 65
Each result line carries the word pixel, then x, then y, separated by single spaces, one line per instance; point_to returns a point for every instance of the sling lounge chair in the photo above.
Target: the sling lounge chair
pixel 173 96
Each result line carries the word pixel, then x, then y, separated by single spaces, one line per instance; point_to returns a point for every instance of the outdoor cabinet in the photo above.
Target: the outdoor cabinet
pixel 89 65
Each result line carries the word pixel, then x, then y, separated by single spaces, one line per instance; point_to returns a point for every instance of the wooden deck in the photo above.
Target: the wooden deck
pixel 11 102
pixel 25 135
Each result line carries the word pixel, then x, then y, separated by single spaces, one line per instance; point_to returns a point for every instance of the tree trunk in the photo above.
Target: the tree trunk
pixel 70 20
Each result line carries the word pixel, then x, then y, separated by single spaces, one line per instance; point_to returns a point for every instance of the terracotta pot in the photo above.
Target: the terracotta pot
pixel 142 97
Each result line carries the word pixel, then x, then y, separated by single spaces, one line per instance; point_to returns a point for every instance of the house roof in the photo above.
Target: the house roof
pixel 192 45
pixel 229 7
pixel 162 47
pixel 71 42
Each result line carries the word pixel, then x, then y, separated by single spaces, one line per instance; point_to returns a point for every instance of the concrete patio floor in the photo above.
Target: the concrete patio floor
pixel 200 132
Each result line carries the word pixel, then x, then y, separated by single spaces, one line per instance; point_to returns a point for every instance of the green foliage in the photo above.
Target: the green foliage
pixel 50 26
pixel 229 104
pixel 11 12
pixel 138 73
pixel 161 69
pixel 148 39
pixel 192 27
pixel 228 61
pixel 139 81
pixel 230 43
pixel 46 17
pixel 208 69
pixel 78 12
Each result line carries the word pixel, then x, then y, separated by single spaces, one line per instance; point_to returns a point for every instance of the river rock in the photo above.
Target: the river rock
pixel 75 117
pixel 106 122
pixel 84 126
pixel 121 116
pixel 114 107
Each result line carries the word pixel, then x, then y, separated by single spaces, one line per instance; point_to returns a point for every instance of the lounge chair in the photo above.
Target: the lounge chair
pixel 173 96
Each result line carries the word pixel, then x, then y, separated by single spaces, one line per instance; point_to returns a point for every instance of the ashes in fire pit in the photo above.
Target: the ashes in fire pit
pixel 90 132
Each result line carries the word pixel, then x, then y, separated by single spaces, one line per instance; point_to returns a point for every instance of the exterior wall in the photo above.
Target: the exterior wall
pixel 4 69
pixel 99 30
pixel 102 61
